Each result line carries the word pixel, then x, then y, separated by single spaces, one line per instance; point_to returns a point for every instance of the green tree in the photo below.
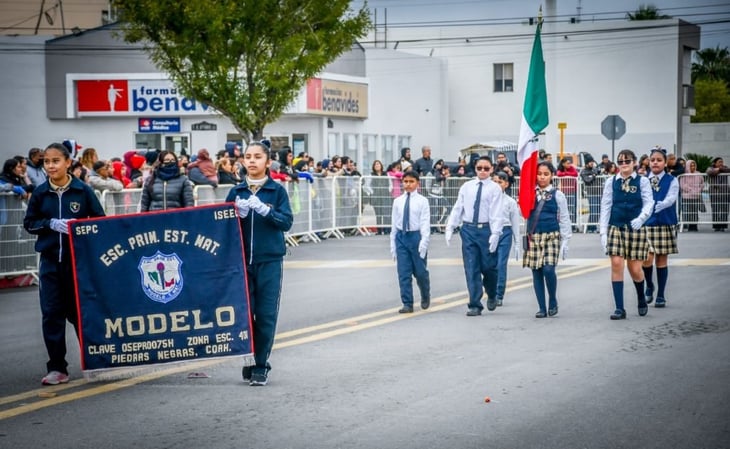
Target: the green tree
pixel 712 101
pixel 712 64
pixel 646 12
pixel 248 59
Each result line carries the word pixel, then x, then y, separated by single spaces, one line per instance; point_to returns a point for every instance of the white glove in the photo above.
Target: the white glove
pixel 392 253
pixel 60 225
pixel 447 234
pixel 259 207
pixel 517 252
pixel 604 243
pixel 564 249
pixel 493 242
pixel 636 224
pixel 242 206
pixel 422 249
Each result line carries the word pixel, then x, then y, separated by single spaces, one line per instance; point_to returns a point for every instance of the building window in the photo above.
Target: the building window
pixel 404 142
pixel 333 144
pixel 389 150
pixel 350 146
pixel 503 77
pixel 369 152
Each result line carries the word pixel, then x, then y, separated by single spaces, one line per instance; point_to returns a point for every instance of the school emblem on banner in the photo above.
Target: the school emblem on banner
pixel 162 278
pixel 183 289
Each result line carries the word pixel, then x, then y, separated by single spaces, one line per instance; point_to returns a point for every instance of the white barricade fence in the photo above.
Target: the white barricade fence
pixel 322 198
pixel 125 201
pixel 330 206
pixel 377 201
pixel 211 195
pixel 347 200
pixel 300 199
pixel 703 199
pixel 17 247
pixel 719 196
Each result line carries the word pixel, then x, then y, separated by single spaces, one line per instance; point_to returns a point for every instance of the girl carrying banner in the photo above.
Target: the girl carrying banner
pixel 264 215
pixel 60 199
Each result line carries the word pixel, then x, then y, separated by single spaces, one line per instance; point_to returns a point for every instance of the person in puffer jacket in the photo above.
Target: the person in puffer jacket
pixel 166 188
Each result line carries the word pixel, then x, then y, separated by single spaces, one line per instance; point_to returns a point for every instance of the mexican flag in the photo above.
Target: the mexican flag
pixel 534 120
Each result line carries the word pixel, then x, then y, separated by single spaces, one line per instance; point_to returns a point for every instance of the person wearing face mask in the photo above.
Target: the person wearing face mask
pixel 166 188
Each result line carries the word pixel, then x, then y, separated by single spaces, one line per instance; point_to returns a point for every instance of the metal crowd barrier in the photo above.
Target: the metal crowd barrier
pixel 703 200
pixel 338 205
pixel 17 247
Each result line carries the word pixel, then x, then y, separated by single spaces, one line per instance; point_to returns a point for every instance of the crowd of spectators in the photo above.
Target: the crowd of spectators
pixel 382 181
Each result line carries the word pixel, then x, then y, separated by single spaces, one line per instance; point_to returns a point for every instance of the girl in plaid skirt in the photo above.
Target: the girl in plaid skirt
pixel 549 230
pixel 626 204
pixel 661 227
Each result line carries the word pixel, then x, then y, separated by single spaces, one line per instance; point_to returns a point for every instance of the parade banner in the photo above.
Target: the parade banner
pixel 160 287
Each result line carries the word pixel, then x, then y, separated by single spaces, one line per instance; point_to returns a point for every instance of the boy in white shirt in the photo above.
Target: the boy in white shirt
pixel 409 236
pixel 510 231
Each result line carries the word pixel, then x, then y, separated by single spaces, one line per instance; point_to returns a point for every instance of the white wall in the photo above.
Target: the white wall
pixel 594 69
pixel 711 139
pixel 406 97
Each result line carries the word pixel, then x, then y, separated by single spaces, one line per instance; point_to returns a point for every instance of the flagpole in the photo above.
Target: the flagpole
pixel 534 120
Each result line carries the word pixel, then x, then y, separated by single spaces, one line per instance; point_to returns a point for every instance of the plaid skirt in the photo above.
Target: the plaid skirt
pixel 662 239
pixel 627 243
pixel 544 250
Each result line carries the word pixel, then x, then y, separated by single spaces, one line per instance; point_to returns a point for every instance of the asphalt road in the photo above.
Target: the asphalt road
pixel 349 372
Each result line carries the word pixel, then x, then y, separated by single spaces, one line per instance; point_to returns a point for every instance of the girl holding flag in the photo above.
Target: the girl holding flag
pixel 548 230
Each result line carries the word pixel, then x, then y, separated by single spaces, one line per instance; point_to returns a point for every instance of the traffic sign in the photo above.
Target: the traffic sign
pixel 613 127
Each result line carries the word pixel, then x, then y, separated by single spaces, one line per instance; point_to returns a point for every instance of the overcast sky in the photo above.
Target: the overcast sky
pixel 713 16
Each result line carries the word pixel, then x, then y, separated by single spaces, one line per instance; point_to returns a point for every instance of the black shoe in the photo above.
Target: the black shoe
pixel 246 373
pixel 643 310
pixel 425 303
pixel 649 293
pixel 660 302
pixel 619 314
pixel 473 311
pixel 499 302
pixel 540 314
pixel 259 377
pixel 406 309
pixel 491 304
pixel 553 311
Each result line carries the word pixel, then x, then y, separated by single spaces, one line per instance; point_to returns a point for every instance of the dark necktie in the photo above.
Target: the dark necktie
pixel 407 212
pixel 476 203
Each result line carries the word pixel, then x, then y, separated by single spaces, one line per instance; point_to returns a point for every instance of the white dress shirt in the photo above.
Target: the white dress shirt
pixel 647 200
pixel 491 205
pixel 511 216
pixel 419 218
pixel 672 193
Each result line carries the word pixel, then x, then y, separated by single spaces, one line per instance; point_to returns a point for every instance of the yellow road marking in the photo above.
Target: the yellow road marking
pixel 351 325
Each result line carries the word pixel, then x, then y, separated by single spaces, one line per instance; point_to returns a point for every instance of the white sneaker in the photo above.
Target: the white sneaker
pixel 55 378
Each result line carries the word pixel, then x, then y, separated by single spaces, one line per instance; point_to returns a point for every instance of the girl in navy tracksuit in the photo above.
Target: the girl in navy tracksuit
pixel 265 215
pixel 54 203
